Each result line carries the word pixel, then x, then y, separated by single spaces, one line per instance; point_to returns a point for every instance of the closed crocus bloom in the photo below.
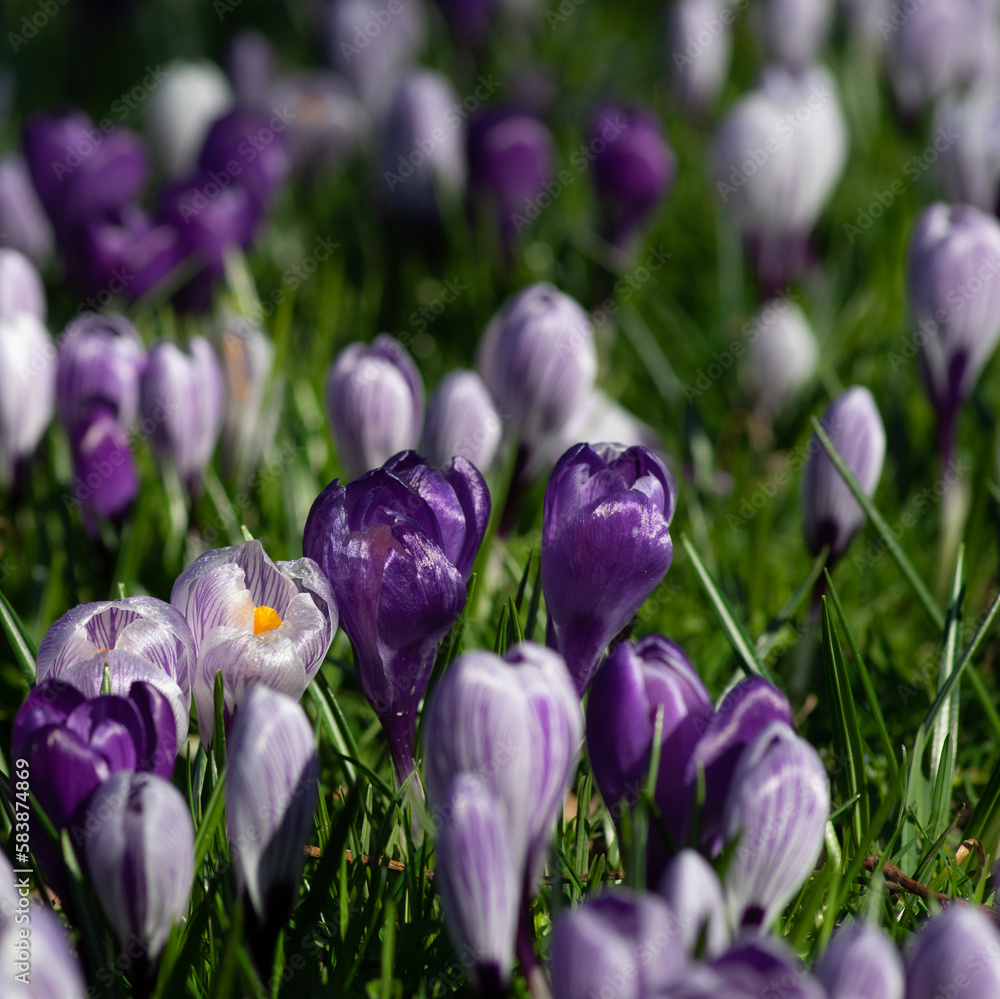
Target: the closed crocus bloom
pixel 860 963
pixel 698 71
pixel 140 857
pixel 27 388
pixel 105 476
pixel 628 692
pixel 775 166
pixel 781 359
pixel 182 392
pixel 255 621
pixel 957 952
pixel 375 401
pixel 777 809
pixel 461 420
pixel 539 360
pixel 967 135
pixel 422 149
pixel 831 515
pixel 755 967
pixel 794 31
pixel 21 288
pixel 397 545
pixel 620 942
pixel 257 142
pixel 250 64
pixel 605 547
pixel 478 878
pixel 514 724
pixel 22 216
pixel 251 414
pixel 694 894
pixel 182 108
pixel 634 167
pixel 272 786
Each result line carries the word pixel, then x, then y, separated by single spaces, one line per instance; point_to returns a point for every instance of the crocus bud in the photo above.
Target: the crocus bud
pixel 954 261
pixel 514 725
pixel 397 545
pixel 181 392
pixel 256 622
pixel 21 288
pixel 375 401
pixel 250 66
pixel 698 71
pixel 967 138
pixel 272 786
pixel 140 857
pixel 755 967
pixel 794 31
pixel 776 811
pixel 539 360
pixel 251 412
pixel 861 962
pixel 634 167
pixel 22 216
pixel 182 108
pixel 955 953
pixel 461 420
pixel 830 513
pixel 694 894
pixel 27 388
pixel 106 478
pixel 256 142
pixel 477 875
pixel 629 690
pixel 781 356
pixel 620 942
pixel 605 547
pixel 777 158
pixel 422 152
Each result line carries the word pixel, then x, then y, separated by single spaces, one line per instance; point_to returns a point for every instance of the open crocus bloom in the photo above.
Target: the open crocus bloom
pixel 256 622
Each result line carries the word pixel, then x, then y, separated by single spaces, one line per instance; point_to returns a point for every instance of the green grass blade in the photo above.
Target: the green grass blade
pixel 20 641
pixel 946 722
pixel 767 640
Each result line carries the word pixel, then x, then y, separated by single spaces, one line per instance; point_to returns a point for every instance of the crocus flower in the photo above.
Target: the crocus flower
pixel 397 546
pixel 105 476
pixel 255 621
pixel 461 420
pixel 22 216
pixel 539 361
pixel 751 968
pixel 777 158
pixel 514 725
pixel 699 49
pixel 256 143
pixel 250 65
pixel 27 388
pixel 182 108
pixel 782 356
pixel 861 961
pixel 954 260
pixel 375 401
pixel 967 139
pixel 140 857
pixel 477 876
pixel 620 942
pixel 605 547
pixel 794 31
pixel 272 786
pixel 955 953
pixel 251 415
pixel 776 811
pixel 21 288
pixel 831 514
pixel 182 394
pixel 634 167
pixel 628 692
pixel 694 894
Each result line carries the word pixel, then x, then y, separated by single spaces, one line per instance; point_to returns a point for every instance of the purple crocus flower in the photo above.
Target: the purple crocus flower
pixel 751 968
pixel 21 288
pixel 255 621
pixel 776 811
pixel 955 953
pixel 250 65
pixel 794 31
pixel 694 894
pixel 831 515
pixel 620 942
pixel 249 146
pixel 861 961
pixel 397 546
pixel 955 299
pixel 22 216
pixel 272 786
pixel 375 402
pixel 139 853
pixel 605 547
pixel 628 691
pixel 106 480
pixel 698 72
pixel 461 420
pixel 182 393
pixel 634 167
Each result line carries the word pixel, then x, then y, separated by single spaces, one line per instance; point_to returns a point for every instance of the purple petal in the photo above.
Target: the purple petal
pixel 861 961
pixel 161 729
pixel 956 953
pixel 693 891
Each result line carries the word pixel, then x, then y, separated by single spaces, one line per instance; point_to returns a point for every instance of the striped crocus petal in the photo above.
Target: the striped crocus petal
pixel 756 967
pixel 138 847
pixel 55 971
pixel 477 876
pixel 271 793
pixel 693 891
pixel 957 953
pixel 861 963
pixel 776 811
